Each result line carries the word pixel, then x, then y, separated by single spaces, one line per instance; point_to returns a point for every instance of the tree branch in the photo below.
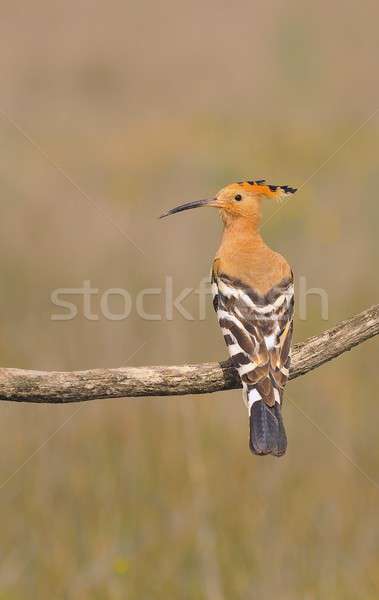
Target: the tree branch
pixel 59 387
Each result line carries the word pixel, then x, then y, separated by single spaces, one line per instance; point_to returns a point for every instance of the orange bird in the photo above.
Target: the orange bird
pixel 253 296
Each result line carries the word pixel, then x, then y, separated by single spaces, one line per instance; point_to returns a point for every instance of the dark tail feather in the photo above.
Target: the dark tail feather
pixel 267 433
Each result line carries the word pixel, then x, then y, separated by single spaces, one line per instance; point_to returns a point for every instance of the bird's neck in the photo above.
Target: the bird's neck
pixel 243 233
pixel 243 255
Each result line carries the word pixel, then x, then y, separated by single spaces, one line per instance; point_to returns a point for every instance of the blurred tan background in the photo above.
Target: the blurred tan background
pixel 110 113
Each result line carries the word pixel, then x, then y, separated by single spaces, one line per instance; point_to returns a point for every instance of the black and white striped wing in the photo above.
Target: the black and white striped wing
pixel 258 331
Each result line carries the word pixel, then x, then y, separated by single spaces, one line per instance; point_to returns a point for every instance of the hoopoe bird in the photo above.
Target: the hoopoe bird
pixel 253 296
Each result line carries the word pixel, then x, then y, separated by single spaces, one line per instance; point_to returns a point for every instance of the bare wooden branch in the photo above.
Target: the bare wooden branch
pixel 59 387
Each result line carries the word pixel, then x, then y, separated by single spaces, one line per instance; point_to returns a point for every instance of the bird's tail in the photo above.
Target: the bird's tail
pixel 267 433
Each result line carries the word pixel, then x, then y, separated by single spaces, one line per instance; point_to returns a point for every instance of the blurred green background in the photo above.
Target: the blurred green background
pixel 110 113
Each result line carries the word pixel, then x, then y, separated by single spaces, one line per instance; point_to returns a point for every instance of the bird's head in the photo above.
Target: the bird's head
pixel 240 200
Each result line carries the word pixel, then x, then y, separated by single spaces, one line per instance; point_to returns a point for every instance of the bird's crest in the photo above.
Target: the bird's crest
pixel 277 192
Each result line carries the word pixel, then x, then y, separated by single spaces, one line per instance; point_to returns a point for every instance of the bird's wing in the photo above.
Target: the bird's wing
pixel 257 330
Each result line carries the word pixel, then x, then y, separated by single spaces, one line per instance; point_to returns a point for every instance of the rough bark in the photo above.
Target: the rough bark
pixel 59 387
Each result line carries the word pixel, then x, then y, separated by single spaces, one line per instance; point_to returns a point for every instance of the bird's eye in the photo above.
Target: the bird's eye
pixel 238 197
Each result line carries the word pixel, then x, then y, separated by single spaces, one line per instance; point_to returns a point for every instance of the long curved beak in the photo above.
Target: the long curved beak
pixel 188 205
